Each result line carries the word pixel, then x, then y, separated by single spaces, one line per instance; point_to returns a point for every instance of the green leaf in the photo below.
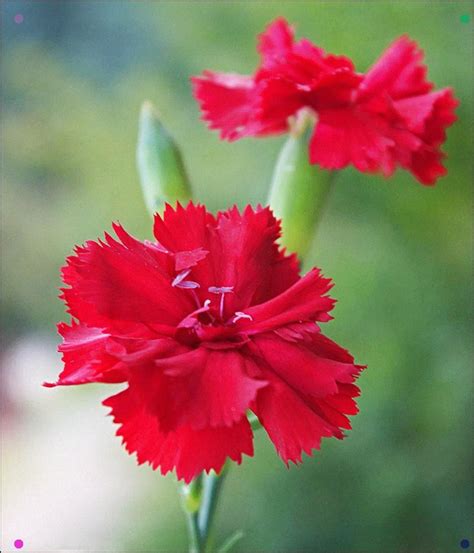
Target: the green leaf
pixel 231 541
pixel 253 420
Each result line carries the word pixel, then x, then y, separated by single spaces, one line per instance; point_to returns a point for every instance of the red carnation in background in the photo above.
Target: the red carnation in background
pixel 206 323
pixel 386 118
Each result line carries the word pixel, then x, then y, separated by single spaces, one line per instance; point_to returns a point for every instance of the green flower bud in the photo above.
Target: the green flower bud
pixel 160 166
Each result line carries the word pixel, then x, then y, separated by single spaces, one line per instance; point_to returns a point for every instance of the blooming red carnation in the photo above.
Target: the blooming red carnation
pixel 209 321
pixel 386 118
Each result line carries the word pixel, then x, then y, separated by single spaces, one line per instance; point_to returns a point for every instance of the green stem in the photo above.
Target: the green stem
pixel 195 542
pixel 191 495
pixel 211 489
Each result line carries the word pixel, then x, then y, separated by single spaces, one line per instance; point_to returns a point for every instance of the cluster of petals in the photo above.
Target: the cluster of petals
pixel 206 323
pixel 386 118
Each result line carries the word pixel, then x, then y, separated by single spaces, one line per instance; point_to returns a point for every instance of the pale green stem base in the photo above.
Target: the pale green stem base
pixel 211 490
pixel 190 502
pixel 199 501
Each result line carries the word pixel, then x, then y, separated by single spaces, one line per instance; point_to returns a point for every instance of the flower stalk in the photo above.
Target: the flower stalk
pixel 211 490
pixel 199 501
pixel 190 502
pixel 299 190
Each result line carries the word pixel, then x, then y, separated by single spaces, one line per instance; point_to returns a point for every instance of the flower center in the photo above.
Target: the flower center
pixel 208 323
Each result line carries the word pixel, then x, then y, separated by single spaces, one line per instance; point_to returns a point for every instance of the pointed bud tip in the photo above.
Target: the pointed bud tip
pixel 149 110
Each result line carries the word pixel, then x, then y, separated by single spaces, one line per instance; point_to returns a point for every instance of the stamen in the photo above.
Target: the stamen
pixel 188 285
pixel 240 315
pixel 195 296
pixel 222 290
pixel 203 309
pixel 179 282
pixel 181 276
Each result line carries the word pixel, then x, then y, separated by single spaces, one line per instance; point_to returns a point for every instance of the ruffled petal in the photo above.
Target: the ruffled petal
pixel 305 300
pixel 199 389
pixel 122 281
pixel 187 259
pixel 292 425
pixel 87 354
pixel 244 256
pixel 183 229
pixel 350 136
pixel 419 136
pixel 279 98
pixel 230 104
pixel 310 390
pixel 429 115
pixel 302 368
pixel 245 251
pixel 406 128
pixel 284 272
pixel 398 72
pixel 383 135
pixel 275 42
pixel 301 64
pixel 187 451
pixel 426 165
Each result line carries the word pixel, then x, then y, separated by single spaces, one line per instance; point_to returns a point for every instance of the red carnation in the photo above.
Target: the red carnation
pixel 387 118
pixel 209 321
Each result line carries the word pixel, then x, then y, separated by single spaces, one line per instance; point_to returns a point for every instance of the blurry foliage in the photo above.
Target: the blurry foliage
pixel 75 74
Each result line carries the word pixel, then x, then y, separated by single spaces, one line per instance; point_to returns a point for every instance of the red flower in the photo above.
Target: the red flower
pixel 209 321
pixel 387 118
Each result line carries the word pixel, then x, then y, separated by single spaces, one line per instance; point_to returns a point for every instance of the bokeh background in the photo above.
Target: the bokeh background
pixel 74 75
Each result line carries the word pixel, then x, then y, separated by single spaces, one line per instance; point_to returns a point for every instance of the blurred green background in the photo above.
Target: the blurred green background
pixel 74 75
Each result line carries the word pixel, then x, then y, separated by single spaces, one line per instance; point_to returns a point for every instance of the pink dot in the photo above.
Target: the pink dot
pixel 18 544
pixel 18 19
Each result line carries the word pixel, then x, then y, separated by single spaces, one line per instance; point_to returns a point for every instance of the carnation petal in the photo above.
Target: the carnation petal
pixel 187 451
pixel 292 425
pixel 284 272
pixel 187 259
pixel 309 393
pixel 305 300
pixel 346 136
pixel 275 42
pixel 201 388
pixel 302 368
pixel 398 72
pixel 247 251
pixel 428 115
pixel 86 357
pixel 228 103
pixel 123 281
